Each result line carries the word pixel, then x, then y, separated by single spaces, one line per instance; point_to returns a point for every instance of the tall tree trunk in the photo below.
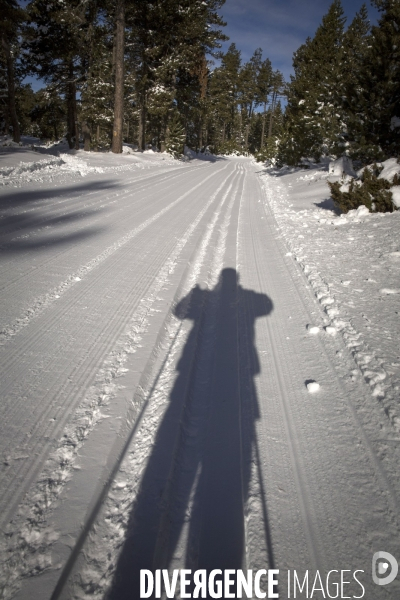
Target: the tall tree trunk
pixel 11 90
pixel 163 132
pixel 140 136
pixel 271 119
pixel 97 139
pixel 223 133
pixel 119 78
pixel 246 136
pixel 143 116
pixel 72 123
pixel 142 128
pixel 86 136
pixel 263 128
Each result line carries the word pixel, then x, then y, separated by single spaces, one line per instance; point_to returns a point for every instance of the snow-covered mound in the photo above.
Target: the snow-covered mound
pixel 22 164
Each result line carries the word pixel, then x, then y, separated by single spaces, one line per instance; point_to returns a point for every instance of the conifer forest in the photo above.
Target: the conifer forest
pixel 152 73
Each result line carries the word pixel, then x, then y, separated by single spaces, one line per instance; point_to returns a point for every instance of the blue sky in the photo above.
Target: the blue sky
pixel 279 27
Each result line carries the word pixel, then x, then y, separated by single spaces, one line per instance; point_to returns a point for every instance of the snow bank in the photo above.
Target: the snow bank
pixel 390 168
pixel 342 166
pixel 352 263
pixel 31 171
pixel 30 167
pixel 21 165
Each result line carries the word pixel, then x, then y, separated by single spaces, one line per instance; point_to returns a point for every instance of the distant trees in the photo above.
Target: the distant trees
pixel 344 96
pixel 141 72
pixel 135 71
pixel 10 20
pixel 56 49
pixel 236 92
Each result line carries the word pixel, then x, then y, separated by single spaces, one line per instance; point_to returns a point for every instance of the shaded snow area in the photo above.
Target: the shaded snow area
pixel 199 369
pixel 352 263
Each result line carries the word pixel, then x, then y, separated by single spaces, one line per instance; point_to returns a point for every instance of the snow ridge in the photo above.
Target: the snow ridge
pixel 291 223
pixel 29 538
pixel 47 299
pixel 108 536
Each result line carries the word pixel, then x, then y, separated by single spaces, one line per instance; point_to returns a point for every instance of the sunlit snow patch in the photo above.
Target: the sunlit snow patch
pixel 313 387
pixel 387 291
pixel 330 330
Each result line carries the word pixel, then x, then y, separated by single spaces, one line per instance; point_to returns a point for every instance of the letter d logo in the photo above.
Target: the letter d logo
pixel 380 565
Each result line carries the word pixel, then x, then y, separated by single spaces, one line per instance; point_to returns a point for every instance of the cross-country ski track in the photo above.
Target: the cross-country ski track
pixel 154 407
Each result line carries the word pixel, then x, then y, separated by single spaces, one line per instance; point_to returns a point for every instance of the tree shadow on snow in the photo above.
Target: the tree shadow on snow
pixel 18 198
pixel 46 223
pixel 328 204
pixel 192 494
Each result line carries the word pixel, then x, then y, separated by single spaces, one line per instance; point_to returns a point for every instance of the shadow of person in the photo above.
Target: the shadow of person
pixel 190 506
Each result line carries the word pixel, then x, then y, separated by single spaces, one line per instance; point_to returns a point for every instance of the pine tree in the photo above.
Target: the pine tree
pixel 249 91
pixel 97 89
pixel 356 50
pixel 265 86
pixel 313 125
pixel 168 42
pixel 175 136
pixel 378 87
pixel 119 77
pixel 56 50
pixel 225 90
pixel 11 18
pixel 48 114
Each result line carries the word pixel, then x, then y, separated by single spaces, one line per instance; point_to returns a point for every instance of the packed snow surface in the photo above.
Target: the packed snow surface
pixel 199 369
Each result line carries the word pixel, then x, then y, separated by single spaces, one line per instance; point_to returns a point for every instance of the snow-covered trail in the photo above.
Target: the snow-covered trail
pixel 155 411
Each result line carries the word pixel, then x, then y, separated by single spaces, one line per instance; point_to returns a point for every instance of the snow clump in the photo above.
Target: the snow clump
pixel 313 387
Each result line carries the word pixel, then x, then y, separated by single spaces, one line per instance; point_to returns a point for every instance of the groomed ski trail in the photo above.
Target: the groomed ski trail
pixel 170 425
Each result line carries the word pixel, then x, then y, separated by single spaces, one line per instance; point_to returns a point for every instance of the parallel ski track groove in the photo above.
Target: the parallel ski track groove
pixel 216 263
pixel 111 199
pixel 29 314
pixel 374 459
pixel 113 329
pixel 278 349
pixel 76 200
pixel 145 391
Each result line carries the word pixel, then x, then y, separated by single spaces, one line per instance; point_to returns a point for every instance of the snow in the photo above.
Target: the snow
pixel 342 166
pixel 390 168
pixel 396 195
pixel 24 165
pixel 199 360
pixel 313 387
pixel 350 261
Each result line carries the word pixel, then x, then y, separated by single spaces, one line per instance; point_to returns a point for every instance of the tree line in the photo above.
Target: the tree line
pixel 344 96
pixel 135 71
pixel 152 72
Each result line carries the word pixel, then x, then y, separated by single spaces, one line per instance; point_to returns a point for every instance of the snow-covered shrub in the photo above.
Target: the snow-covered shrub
pixel 370 191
